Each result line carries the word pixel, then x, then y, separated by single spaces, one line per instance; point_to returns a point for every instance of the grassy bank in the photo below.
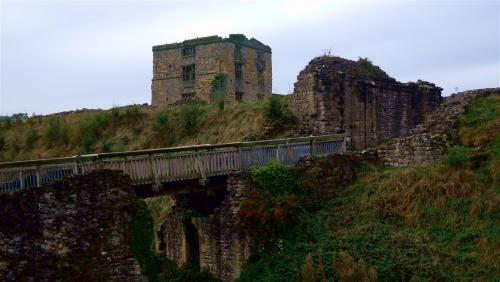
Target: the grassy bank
pixel 433 223
pixel 138 127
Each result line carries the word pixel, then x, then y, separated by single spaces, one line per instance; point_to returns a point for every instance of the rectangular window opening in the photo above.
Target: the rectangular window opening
pixel 188 51
pixel 239 96
pixel 238 71
pixel 188 72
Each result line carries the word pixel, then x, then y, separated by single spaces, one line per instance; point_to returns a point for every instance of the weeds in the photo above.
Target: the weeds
pixel 189 116
pixel 56 131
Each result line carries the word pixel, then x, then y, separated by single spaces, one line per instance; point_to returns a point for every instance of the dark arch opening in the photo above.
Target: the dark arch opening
pixel 192 245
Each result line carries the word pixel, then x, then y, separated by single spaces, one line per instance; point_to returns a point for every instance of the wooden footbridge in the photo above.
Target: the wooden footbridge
pixel 157 166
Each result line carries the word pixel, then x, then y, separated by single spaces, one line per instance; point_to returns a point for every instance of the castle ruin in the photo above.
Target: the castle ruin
pixel 336 95
pixel 211 69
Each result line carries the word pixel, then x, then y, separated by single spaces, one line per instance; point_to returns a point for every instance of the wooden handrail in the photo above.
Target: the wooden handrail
pixel 192 148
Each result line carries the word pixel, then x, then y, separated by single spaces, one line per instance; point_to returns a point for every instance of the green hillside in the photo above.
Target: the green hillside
pixel 434 223
pixel 140 127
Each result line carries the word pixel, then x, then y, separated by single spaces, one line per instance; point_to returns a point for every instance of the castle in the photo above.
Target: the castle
pixel 211 69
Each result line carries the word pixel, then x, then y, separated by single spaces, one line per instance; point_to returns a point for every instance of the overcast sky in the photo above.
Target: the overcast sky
pixel 65 55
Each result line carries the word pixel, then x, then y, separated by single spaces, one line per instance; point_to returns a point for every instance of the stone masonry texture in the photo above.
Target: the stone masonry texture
pixel 430 140
pixel 336 95
pixel 212 56
pixel 76 229
pixel 224 244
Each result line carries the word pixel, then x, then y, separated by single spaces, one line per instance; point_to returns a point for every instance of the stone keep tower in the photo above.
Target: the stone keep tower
pixel 210 69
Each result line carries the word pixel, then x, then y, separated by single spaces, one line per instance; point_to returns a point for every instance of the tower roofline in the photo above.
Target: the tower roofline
pixel 233 38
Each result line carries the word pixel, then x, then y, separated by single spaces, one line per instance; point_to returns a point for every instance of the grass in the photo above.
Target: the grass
pixel 432 223
pixel 132 128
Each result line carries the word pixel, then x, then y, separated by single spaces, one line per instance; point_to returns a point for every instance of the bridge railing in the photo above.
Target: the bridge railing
pixel 156 166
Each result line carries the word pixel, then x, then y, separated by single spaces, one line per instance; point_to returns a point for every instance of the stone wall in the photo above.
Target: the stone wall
pixel 224 245
pixel 428 141
pixel 72 230
pixel 335 95
pixel 213 55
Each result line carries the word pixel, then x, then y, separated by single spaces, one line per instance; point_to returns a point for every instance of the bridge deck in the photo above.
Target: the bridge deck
pixel 158 166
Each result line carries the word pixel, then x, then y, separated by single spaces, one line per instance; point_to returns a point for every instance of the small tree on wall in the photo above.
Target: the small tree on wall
pixel 218 90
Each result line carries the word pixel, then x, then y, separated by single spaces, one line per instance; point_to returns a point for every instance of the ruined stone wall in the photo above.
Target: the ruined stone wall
pixel 428 141
pixel 335 95
pixel 210 58
pixel 73 230
pixel 224 246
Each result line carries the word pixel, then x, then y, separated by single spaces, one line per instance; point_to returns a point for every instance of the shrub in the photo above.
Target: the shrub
pixel 350 270
pixel 90 129
pixel 31 137
pixel 274 178
pixel 132 114
pixel 189 116
pixel 276 110
pixel 161 122
pixel 56 132
pixel 7 123
pixel 459 157
pixel 271 207
pixel 2 142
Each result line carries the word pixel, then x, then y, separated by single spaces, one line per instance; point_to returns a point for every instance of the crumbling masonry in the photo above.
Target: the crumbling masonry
pixel 335 95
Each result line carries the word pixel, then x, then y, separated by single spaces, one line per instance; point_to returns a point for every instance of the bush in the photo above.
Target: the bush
pixel 274 178
pixel 132 114
pixel 276 110
pixel 7 123
pixel 459 157
pixel 161 122
pixel 2 142
pixel 91 129
pixel 31 137
pixel 56 132
pixel 189 116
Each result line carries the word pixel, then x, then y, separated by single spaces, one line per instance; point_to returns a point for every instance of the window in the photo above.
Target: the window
pixel 260 78
pixel 259 61
pixel 188 72
pixel 237 49
pixel 188 96
pixel 238 71
pixel 238 53
pixel 188 51
pixel 260 97
pixel 239 96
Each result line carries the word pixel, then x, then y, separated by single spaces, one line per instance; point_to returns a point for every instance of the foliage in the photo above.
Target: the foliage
pixel 432 223
pixel 459 157
pixel 31 137
pixel 481 122
pixel 2 142
pixel 218 89
pixel 6 123
pixel 189 116
pixel 276 110
pixel 367 65
pixel 163 128
pixel 273 205
pixel 56 132
pixel 153 266
pixel 90 129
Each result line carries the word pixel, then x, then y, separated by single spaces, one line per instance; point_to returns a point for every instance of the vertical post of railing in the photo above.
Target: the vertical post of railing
pixel 343 147
pixel 312 145
pixel 21 179
pixel 203 176
pixel 38 173
pixel 240 153
pixel 155 179
pixel 278 156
